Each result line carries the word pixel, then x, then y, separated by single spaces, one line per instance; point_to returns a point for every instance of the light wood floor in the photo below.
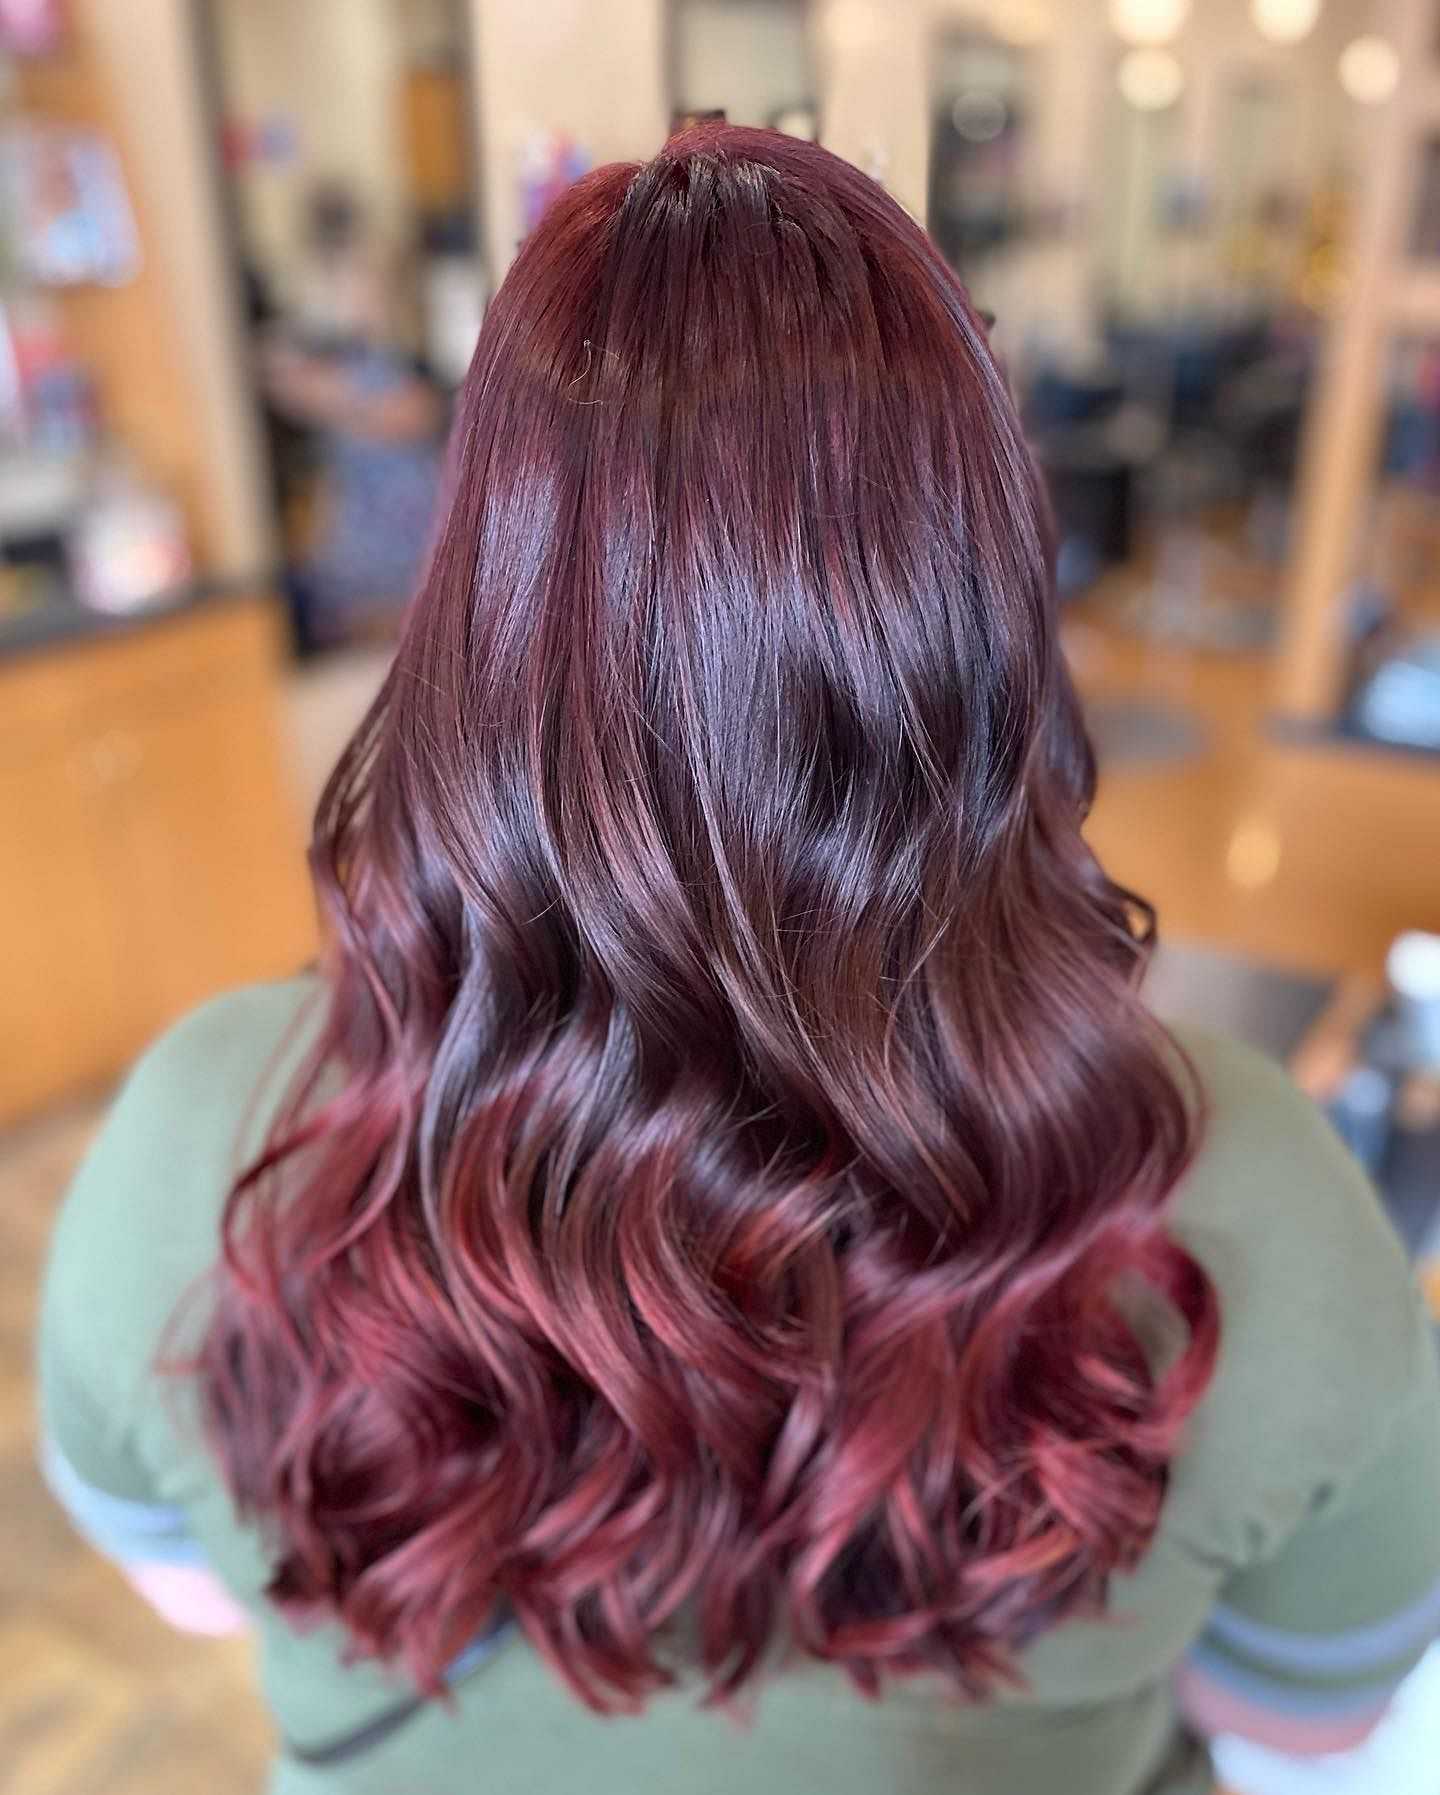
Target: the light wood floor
pixel 1306 857
pixel 97 1695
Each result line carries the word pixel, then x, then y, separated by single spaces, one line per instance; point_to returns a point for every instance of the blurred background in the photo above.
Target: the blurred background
pixel 245 246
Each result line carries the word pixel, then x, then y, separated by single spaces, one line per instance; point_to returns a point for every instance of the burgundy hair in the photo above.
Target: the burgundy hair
pixel 717 1215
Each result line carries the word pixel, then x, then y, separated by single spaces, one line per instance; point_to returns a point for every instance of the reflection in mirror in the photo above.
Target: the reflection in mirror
pixel 977 138
pixel 1144 200
pixel 1425 222
pixel 1393 683
pixel 748 60
pixel 1259 213
pixel 344 131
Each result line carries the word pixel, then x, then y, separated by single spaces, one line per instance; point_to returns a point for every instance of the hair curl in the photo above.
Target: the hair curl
pixel 716 1211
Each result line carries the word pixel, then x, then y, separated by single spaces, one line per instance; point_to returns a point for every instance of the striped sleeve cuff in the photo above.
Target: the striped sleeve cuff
pixel 127 1531
pixel 1314 1681
pixel 1350 1701
pixel 1304 1691
pixel 1356 1652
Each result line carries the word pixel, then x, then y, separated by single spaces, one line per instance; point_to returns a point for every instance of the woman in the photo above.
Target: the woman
pixel 375 420
pixel 724 1283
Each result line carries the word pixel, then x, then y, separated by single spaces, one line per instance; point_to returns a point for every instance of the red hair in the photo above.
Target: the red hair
pixel 726 1178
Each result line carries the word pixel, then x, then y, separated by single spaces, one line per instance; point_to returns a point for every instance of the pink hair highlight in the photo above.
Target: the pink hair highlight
pixel 718 1214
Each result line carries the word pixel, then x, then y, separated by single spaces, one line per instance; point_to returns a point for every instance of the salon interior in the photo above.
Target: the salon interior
pixel 1208 232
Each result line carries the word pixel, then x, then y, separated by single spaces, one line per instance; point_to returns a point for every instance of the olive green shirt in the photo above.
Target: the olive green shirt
pixel 1297 1561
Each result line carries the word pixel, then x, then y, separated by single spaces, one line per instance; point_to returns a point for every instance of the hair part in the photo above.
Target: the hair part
pixel 715 1216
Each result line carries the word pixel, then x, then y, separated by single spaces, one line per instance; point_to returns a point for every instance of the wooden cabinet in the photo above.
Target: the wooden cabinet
pixel 59 973
pixel 435 135
pixel 150 850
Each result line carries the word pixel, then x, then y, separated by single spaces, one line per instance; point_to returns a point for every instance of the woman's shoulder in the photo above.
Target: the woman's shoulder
pixel 1273 1177
pixel 210 1052
pixel 141 1220
pixel 1323 1340
pixel 198 1102
pixel 204 1091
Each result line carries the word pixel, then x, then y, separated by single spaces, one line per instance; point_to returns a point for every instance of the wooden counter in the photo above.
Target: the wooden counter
pixel 150 848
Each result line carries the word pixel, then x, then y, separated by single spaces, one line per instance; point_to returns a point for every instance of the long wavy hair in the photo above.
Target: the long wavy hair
pixel 721 1211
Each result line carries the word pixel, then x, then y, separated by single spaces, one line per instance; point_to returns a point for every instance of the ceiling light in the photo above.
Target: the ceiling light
pixel 1148 21
pixel 1285 21
pixel 1150 80
pixel 1369 70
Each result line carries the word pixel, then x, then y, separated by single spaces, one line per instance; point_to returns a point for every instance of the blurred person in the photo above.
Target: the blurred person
pixel 339 292
pixel 337 370
pixel 719 1281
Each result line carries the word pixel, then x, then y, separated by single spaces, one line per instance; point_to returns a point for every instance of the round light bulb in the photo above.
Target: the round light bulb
pixel 1369 70
pixel 1285 21
pixel 1148 21
pixel 1150 80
